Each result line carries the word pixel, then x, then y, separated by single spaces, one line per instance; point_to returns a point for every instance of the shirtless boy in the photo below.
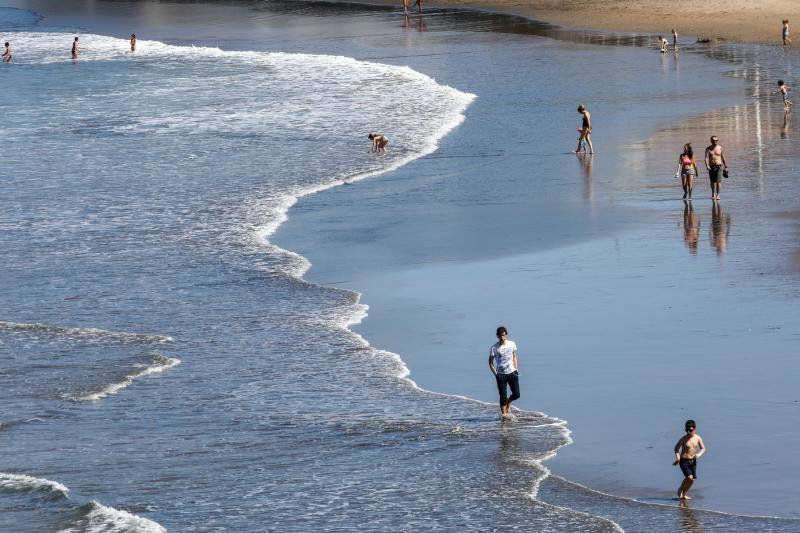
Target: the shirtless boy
pixel 783 90
pixel 716 165
pixel 8 53
pixel 686 456
pixel 75 48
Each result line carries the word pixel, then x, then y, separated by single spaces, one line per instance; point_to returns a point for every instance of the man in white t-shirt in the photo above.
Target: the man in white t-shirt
pixel 503 364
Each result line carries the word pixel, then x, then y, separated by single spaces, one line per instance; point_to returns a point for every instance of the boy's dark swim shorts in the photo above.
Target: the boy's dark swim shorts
pixel 689 467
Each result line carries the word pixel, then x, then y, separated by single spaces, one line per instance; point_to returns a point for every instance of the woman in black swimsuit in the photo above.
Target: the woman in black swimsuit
pixel 586 129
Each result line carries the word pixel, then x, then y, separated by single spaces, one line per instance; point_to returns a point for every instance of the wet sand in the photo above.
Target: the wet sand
pixel 738 20
pixel 633 311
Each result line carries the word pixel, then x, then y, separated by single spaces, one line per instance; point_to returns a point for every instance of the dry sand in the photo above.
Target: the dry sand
pixel 740 20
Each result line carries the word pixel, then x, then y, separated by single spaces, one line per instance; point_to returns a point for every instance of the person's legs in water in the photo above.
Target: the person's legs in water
pixel 502 381
pixel 689 469
pixel 685 185
pixel 513 382
pixel 589 140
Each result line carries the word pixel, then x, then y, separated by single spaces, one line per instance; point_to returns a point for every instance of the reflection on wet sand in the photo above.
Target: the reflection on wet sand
pixel 785 127
pixel 585 161
pixel 720 228
pixel 691 227
pixel 688 521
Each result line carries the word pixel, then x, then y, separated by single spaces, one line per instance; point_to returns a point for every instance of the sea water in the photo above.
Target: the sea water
pixel 163 365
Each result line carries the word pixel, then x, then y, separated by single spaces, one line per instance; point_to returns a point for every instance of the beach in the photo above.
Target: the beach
pixel 739 20
pixel 224 311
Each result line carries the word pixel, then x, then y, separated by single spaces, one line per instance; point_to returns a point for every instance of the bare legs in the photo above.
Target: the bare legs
pixel 684 488
pixel 588 137
pixel 686 183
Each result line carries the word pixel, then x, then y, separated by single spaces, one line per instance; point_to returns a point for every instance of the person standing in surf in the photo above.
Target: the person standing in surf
pixel 379 142
pixel 686 456
pixel 586 129
pixel 783 90
pixel 75 48
pixel 8 53
pixel 133 42
pixel 505 367
pixel 716 165
pixel 675 40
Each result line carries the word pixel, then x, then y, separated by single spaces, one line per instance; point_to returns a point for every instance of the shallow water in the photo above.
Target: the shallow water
pixel 163 366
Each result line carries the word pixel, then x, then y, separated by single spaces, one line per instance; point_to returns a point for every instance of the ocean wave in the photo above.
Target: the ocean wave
pixel 159 364
pixel 40 486
pixel 83 332
pixel 12 18
pixel 95 517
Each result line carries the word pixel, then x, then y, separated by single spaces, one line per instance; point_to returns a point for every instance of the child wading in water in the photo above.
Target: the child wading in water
pixel 783 90
pixel 686 456
pixel 379 142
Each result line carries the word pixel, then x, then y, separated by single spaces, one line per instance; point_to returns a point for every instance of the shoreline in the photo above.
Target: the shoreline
pixel 409 360
pixel 741 21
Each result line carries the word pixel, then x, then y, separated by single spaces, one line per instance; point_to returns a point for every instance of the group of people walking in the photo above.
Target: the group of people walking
pixel 74 51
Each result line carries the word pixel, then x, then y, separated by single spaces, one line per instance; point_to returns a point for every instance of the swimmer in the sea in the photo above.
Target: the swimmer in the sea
pixel 379 142
pixel 8 53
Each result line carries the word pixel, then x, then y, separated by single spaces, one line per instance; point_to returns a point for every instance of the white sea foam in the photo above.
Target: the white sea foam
pixel 23 483
pixel 82 332
pixel 95 517
pixel 160 364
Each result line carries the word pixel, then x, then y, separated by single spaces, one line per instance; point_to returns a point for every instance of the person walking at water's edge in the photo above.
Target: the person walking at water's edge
pixel 8 53
pixel 586 129
pixel 716 165
pixel 786 40
pixel 504 365
pixel 686 456
pixel 675 40
pixel 75 48
pixel 687 170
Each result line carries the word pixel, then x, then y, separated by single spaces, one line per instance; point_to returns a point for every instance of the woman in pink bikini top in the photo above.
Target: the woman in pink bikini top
pixel 687 170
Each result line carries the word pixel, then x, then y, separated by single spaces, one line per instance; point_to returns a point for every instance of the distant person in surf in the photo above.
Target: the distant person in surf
pixel 716 165
pixel 674 39
pixel 664 44
pixel 687 170
pixel 75 48
pixel 585 130
pixel 686 456
pixel 503 364
pixel 379 142
pixel 8 53
pixel 786 40
pixel 783 90
pixel 133 42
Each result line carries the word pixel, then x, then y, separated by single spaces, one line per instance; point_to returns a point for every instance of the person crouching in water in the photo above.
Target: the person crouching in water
pixel 379 142
pixel 686 456
pixel 687 170
pixel 504 365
